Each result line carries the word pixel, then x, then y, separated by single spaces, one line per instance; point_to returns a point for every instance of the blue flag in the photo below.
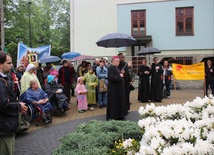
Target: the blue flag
pixel 26 55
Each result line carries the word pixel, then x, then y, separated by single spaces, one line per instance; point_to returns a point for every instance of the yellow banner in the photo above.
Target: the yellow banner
pixel 188 72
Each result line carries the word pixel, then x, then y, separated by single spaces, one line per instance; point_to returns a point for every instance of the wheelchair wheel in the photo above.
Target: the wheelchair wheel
pixel 30 114
pixel 37 112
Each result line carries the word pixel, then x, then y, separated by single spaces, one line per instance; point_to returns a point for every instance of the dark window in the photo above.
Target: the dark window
pixel 138 23
pixel 184 21
pixel 185 60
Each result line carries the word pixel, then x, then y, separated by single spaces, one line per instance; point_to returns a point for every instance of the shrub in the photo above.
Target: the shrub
pixel 97 137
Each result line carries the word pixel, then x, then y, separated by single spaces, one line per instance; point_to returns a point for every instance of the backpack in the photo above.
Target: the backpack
pixel 102 86
pixel 24 123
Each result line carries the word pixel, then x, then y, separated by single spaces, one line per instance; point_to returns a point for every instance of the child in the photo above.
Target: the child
pixel 91 82
pixel 81 95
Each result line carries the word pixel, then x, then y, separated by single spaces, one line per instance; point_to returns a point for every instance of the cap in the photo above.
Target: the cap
pixel 115 57
pixel 105 58
pixel 50 78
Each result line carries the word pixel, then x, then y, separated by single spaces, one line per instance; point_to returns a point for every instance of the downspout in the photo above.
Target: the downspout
pixel 72 26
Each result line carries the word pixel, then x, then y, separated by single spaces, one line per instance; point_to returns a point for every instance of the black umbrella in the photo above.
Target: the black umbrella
pixel 116 40
pixel 169 59
pixel 148 51
pixel 207 58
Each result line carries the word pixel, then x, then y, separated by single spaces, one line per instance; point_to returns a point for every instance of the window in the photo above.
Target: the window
pixel 185 60
pixel 184 21
pixel 138 23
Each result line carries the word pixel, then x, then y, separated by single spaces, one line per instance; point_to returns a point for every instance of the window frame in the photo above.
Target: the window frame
pixel 184 17
pixel 138 22
pixel 185 60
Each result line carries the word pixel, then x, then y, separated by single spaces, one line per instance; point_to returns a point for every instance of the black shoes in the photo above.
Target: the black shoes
pixel 100 106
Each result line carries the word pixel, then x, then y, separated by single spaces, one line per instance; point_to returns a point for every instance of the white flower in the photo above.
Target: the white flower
pixel 178 129
pixel 127 143
pixel 156 142
pixel 210 137
pixel 204 147
pixel 130 152
pixel 147 122
pixel 145 150
pixel 141 110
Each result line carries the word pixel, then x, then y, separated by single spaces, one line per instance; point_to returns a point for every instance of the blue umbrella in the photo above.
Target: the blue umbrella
pixel 49 59
pixel 70 55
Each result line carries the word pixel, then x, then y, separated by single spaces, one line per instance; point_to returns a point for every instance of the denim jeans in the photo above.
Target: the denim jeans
pixel 102 98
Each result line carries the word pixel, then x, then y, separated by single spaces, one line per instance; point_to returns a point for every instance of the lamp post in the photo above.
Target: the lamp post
pixel 30 32
pixel 2 25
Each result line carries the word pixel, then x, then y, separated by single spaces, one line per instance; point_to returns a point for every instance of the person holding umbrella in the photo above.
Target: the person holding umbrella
pixel 123 66
pixel 209 71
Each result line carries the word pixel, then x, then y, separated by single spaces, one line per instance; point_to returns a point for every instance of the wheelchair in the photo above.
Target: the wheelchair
pixel 56 110
pixel 34 112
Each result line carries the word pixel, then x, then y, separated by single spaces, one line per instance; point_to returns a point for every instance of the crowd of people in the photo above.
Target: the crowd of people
pixel 152 90
pixel 103 84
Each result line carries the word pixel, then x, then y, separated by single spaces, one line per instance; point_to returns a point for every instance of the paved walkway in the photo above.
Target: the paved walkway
pixel 45 139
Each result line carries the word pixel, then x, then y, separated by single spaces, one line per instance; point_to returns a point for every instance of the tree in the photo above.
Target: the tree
pixel 50 22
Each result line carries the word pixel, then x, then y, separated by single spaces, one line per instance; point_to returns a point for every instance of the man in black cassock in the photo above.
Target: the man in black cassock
pixel 156 81
pixel 144 85
pixel 123 66
pixel 115 96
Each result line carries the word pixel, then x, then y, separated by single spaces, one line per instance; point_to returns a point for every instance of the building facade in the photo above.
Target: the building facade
pixel 183 29
pixel 176 27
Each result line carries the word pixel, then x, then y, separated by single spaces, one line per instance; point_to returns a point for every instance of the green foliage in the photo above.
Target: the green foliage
pixel 97 137
pixel 50 22
pixel 12 50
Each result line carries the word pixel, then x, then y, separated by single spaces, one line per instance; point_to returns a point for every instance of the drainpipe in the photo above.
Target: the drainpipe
pixel 72 26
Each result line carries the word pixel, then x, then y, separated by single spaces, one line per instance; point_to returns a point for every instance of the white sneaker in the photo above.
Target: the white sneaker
pixel 91 108
pixel 168 97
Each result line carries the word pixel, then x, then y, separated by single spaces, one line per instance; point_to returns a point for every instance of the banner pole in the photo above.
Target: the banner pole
pixel 175 88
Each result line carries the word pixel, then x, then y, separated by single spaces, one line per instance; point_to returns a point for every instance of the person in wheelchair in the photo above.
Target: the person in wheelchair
pixel 55 93
pixel 36 96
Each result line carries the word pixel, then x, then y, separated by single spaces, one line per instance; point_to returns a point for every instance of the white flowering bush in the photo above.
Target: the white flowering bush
pixel 177 129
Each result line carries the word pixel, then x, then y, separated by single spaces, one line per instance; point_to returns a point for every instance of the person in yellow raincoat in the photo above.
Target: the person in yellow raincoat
pixel 28 76
pixel 91 82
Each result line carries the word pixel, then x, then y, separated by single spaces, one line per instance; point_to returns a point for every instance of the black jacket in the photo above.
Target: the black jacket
pixel 9 111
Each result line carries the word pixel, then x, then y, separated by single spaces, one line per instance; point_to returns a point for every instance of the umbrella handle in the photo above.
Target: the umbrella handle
pixel 124 67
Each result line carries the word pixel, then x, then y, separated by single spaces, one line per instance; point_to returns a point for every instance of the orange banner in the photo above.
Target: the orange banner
pixel 188 72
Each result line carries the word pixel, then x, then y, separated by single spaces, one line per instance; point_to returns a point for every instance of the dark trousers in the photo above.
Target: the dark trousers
pixel 67 89
pixel 211 84
pixel 167 89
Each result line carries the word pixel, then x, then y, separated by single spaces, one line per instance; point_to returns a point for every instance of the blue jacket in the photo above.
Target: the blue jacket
pixel 102 73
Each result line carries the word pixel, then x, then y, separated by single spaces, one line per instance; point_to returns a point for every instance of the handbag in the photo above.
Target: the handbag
pixel 131 87
pixel 102 86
